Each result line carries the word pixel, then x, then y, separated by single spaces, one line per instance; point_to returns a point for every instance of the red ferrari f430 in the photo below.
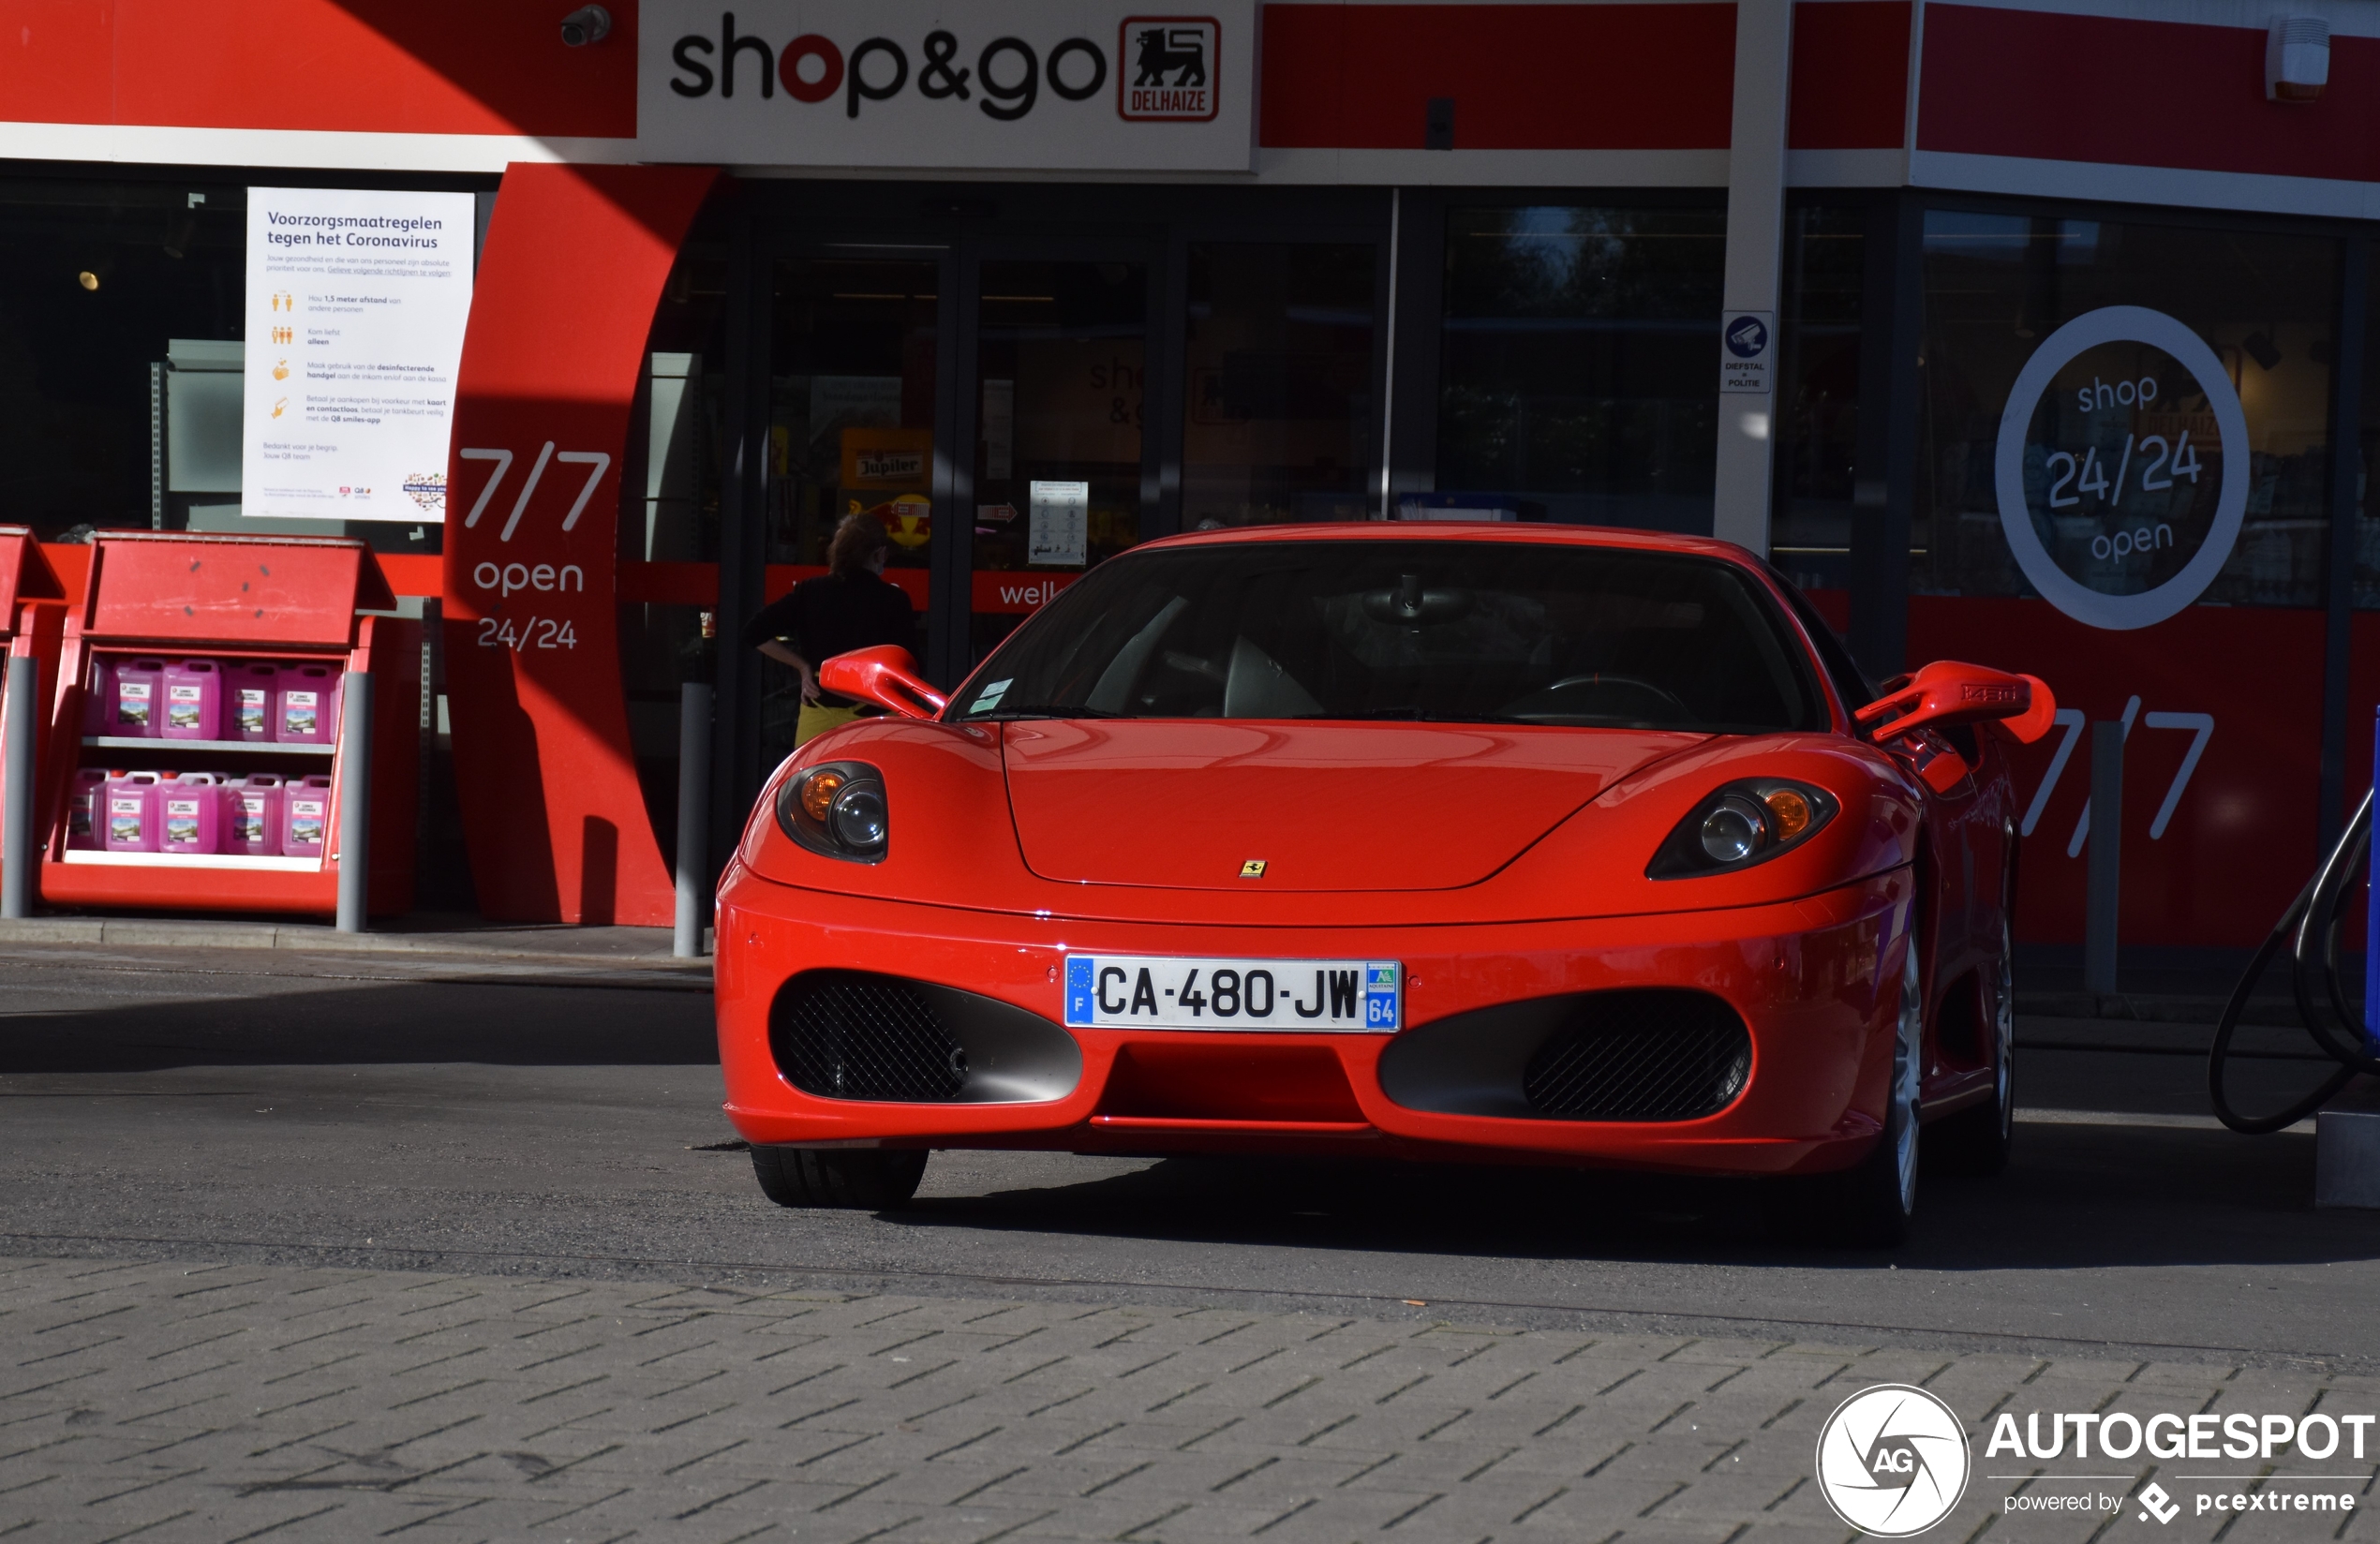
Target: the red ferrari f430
pixel 1502 843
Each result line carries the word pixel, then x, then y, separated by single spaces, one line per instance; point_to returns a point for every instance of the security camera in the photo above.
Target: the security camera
pixel 585 25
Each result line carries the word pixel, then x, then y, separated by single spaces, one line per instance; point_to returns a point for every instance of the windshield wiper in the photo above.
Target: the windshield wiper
pixel 1415 714
pixel 1044 710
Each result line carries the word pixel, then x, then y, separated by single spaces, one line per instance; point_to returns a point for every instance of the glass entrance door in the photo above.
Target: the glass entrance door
pixel 1063 473
pixel 853 399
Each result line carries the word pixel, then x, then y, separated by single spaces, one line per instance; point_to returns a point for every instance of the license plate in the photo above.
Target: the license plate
pixel 1121 992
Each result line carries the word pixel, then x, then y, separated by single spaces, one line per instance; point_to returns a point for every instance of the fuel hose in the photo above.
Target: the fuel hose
pixel 2310 931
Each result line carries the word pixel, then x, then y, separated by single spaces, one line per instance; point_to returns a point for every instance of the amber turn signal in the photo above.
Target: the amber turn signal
pixel 1741 824
pixel 818 794
pixel 1790 810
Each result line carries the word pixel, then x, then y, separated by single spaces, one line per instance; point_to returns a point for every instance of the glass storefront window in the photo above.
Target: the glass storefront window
pixel 851 419
pixel 851 428
pixel 2122 460
pixel 1060 355
pixel 676 471
pixel 1577 380
pixel 670 485
pixel 1817 395
pixel 2367 570
pixel 123 315
pixel 109 292
pixel 1277 384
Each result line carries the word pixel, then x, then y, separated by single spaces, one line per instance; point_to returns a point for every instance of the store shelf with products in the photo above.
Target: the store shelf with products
pixel 225 748
pixel 211 860
pixel 197 758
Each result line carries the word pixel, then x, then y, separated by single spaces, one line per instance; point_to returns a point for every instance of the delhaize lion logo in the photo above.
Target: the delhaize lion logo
pixel 908 519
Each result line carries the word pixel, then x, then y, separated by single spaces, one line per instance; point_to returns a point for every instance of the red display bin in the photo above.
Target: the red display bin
pixel 162 611
pixel 32 603
pixel 32 613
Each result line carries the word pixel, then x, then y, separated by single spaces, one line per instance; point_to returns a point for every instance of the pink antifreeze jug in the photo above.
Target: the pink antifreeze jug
pixel 193 701
pixel 189 813
pixel 252 815
pixel 99 696
pixel 305 816
pixel 127 807
pixel 133 706
pixel 248 692
pixel 310 705
pixel 84 809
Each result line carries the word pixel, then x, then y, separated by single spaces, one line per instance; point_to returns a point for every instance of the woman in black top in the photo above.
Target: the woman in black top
pixel 852 605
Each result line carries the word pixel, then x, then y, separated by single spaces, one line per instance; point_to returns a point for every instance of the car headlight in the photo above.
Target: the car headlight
pixel 1741 824
pixel 837 809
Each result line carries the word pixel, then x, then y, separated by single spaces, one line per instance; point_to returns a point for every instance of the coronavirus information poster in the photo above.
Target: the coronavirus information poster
pixel 356 306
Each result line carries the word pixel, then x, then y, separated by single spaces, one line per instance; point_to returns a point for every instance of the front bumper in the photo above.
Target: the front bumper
pixel 1814 981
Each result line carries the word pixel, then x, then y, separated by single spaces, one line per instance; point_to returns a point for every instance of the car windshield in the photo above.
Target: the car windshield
pixel 1455 631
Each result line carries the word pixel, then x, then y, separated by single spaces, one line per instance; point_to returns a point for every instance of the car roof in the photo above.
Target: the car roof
pixel 1527 532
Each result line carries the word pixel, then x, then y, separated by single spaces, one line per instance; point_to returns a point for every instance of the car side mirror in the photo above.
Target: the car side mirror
pixel 886 675
pixel 1948 693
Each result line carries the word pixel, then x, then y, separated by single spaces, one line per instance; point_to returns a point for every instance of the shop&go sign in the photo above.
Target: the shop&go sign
pixel 2122 467
pixel 1052 84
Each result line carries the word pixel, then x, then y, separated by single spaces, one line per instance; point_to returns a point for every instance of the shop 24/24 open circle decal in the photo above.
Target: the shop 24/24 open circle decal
pixel 2097 608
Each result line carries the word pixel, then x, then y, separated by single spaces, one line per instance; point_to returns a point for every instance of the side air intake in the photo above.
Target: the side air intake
pixel 856 1034
pixel 1643 1055
pixel 1640 1056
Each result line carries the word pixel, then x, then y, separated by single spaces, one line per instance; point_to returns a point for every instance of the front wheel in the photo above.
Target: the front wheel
pixel 1873 1202
pixel 860 1178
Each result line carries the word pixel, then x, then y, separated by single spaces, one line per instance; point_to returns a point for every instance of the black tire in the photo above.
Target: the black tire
pixel 1872 1203
pixel 862 1179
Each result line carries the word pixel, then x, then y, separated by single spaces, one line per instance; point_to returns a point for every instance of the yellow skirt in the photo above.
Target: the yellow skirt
pixel 815 720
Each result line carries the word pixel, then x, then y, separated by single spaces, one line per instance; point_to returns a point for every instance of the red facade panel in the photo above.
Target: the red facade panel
pixel 1615 77
pixel 2237 831
pixel 1850 76
pixel 411 67
pixel 552 810
pixel 2135 92
pixel 61 64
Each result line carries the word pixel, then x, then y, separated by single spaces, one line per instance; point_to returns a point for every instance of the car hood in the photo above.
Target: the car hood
pixel 1183 803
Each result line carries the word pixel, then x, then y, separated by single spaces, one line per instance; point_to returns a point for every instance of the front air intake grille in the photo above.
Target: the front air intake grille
pixel 1640 1056
pixel 847 1034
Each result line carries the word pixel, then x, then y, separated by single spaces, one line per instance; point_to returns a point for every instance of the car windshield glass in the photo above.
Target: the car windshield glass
pixel 1458 631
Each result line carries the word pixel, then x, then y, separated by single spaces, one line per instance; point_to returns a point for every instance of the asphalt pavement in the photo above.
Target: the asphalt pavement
pixel 514 1129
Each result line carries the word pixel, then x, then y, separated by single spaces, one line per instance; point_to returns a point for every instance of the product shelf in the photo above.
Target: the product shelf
pixel 218 748
pixel 252 863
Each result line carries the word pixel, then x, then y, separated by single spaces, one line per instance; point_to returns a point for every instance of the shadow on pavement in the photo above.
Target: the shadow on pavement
pixel 2077 1196
pixel 2074 1196
pixel 281 1022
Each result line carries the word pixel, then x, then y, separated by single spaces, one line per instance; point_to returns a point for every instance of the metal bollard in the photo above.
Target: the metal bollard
pixel 16 791
pixel 2102 890
pixel 355 801
pixel 693 819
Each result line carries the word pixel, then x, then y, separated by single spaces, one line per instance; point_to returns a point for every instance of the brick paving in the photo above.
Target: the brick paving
pixel 171 1401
